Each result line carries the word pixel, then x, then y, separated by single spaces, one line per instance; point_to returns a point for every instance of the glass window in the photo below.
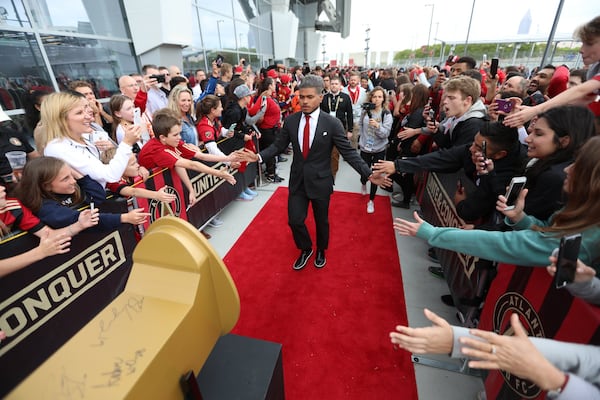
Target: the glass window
pixel 100 62
pixel 12 13
pixel 22 68
pixel 84 16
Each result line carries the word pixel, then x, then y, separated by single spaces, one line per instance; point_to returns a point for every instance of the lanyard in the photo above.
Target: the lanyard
pixel 337 103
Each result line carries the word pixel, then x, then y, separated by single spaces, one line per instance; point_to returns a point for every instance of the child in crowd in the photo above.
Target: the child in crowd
pixel 14 215
pixel 124 114
pixel 52 190
pixel 125 187
pixel 167 150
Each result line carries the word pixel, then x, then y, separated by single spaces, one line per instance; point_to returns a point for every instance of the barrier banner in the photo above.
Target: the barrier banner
pixel 438 209
pixel 544 311
pixel 212 194
pixel 45 304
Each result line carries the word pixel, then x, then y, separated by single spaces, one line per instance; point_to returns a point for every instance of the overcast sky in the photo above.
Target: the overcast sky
pixel 399 24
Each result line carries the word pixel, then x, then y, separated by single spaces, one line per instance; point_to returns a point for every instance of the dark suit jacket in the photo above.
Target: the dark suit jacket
pixel 315 171
pixel 343 112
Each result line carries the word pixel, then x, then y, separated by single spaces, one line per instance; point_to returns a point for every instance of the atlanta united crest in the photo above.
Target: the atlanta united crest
pixel 158 209
pixel 506 305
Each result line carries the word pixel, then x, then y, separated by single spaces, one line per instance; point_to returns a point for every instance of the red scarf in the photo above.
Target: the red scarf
pixel 353 94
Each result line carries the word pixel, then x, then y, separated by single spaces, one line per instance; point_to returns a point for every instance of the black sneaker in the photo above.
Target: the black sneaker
pixel 432 254
pixel 448 300
pixel 401 204
pixel 273 178
pixel 438 272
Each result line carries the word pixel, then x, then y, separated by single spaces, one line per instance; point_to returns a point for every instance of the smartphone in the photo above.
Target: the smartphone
pixel 484 150
pixel 232 127
pixel 504 105
pixel 566 262
pixel 99 135
pixel 432 114
pixel 92 206
pixel 137 116
pixel 512 194
pixel 494 68
pixel 219 60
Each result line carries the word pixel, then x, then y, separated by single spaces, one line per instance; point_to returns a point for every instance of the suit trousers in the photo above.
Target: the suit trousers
pixel 298 203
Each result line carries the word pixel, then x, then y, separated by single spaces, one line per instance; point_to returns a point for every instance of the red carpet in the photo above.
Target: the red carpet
pixel 333 323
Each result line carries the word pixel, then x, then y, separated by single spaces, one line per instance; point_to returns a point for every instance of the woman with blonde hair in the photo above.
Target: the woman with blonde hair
pixel 180 101
pixel 66 117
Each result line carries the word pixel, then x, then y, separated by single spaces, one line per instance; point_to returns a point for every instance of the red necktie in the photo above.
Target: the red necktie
pixel 306 138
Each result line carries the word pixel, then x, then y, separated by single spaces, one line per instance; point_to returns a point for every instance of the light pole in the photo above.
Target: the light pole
pixel 367 47
pixel 323 52
pixel 219 32
pixel 430 25
pixel 469 28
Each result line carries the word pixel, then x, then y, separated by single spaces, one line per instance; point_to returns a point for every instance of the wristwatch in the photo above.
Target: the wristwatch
pixel 553 394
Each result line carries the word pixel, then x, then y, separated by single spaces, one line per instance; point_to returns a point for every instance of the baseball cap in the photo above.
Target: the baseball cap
pixel 243 91
pixel 272 74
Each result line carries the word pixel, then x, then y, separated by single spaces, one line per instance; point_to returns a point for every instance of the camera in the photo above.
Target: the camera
pixel 368 106
pixel 219 60
pixel 159 78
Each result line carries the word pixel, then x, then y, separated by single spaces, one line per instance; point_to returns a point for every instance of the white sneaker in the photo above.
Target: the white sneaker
pixel 370 207
pixel 363 189
pixel 215 222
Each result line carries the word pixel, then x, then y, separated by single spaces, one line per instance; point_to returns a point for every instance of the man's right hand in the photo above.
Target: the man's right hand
pixel 148 83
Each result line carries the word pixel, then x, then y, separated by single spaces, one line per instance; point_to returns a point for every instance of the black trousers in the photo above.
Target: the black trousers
pixel 370 159
pixel 297 211
pixel 267 137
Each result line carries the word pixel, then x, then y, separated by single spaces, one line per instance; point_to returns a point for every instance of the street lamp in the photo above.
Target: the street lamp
pixel 219 33
pixel 367 47
pixel 469 28
pixel 430 25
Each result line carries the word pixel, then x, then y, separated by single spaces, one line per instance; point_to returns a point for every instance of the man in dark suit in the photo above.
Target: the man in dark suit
pixel 312 134
pixel 338 104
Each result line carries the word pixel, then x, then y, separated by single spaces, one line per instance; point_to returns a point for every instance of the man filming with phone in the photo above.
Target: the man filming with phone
pixel 157 99
pixel 477 205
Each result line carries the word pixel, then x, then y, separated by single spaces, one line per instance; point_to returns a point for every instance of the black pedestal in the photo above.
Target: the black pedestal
pixel 241 368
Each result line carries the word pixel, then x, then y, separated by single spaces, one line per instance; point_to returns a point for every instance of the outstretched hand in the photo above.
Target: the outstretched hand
pixel 54 244
pixel 386 167
pixel 435 339
pixel 518 118
pixel 515 354
pixel 407 228
pixel 380 179
pixel 245 155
